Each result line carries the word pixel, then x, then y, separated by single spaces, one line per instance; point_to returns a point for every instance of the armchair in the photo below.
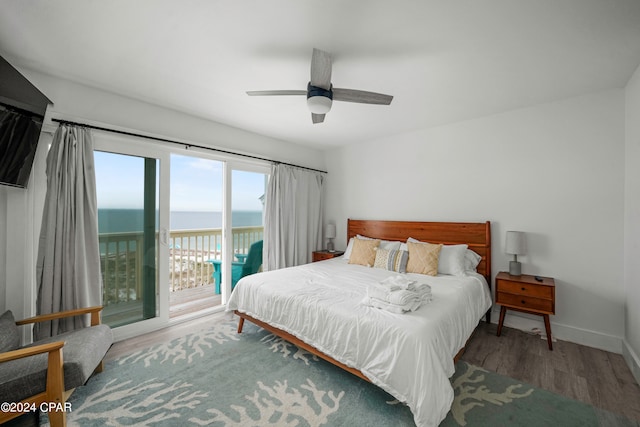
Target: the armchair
pixel 38 373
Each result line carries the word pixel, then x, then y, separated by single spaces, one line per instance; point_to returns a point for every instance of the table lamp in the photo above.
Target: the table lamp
pixel 515 246
pixel 330 233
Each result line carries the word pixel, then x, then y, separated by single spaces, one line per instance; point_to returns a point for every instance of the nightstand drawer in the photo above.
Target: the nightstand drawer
pixel 322 255
pixel 525 302
pixel 521 288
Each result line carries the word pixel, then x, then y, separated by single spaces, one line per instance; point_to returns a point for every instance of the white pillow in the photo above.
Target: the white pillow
pixel 471 260
pixel 452 259
pixel 384 244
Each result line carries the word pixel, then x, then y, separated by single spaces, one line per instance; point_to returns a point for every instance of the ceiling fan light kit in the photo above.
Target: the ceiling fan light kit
pixel 320 92
pixel 319 100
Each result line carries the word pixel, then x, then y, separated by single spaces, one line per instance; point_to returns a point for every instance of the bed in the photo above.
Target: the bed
pixel 318 307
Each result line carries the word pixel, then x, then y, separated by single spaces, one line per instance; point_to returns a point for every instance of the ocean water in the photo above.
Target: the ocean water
pixel 126 220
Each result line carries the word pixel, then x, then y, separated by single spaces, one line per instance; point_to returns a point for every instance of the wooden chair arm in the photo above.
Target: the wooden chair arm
pixel 94 311
pixel 31 351
pixel 54 390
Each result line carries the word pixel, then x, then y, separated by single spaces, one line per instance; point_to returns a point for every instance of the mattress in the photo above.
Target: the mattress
pixel 408 355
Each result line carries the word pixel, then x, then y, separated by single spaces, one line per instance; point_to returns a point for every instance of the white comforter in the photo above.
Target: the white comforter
pixel 408 355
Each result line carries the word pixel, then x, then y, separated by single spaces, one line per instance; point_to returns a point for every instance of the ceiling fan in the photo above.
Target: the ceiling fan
pixel 321 93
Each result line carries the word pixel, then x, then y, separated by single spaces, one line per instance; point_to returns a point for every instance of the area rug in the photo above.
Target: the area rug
pixel 219 378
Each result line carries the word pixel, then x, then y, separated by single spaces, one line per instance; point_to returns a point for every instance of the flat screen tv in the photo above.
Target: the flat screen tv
pixel 19 134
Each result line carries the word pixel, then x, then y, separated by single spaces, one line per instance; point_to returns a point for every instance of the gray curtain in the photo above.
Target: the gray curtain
pixel 293 219
pixel 68 266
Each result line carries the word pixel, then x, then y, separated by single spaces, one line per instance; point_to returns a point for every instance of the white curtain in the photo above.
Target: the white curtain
pixel 68 265
pixel 293 219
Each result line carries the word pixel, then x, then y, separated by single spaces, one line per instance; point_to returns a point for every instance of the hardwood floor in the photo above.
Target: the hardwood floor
pixel 593 376
pixel 182 302
pixel 188 301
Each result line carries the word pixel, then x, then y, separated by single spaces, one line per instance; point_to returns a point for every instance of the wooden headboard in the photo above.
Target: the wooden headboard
pixel 477 235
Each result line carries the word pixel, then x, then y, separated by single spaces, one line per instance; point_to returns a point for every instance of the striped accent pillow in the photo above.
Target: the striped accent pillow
pixel 394 260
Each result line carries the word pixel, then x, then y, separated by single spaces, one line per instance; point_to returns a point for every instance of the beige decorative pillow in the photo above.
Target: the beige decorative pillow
pixel 364 252
pixel 423 258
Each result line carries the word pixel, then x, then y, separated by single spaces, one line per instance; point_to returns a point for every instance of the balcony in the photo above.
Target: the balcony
pixel 190 281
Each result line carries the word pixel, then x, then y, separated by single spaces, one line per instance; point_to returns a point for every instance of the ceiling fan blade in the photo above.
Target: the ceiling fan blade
pixel 360 96
pixel 321 69
pixel 275 92
pixel 317 118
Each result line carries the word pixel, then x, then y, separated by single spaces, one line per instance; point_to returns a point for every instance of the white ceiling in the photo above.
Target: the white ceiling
pixel 443 60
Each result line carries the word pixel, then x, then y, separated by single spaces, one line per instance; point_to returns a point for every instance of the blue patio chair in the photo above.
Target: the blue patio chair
pixel 236 273
pixel 248 264
pixel 254 259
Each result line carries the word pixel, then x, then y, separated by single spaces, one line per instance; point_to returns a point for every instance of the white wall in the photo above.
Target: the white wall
pixel 631 350
pixel 555 171
pixel 82 102
pixel 3 246
pixel 21 211
pixel 20 221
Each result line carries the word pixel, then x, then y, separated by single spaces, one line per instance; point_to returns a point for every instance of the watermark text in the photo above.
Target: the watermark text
pixel 23 407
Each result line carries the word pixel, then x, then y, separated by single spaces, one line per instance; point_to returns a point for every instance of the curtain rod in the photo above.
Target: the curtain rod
pixel 22 111
pixel 186 145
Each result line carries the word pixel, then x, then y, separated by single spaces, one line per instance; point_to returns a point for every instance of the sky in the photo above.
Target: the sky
pixel 196 184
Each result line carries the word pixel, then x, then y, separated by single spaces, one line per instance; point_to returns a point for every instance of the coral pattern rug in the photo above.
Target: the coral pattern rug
pixel 219 378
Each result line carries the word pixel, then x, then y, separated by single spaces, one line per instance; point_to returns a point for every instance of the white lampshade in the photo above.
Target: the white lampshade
pixel 330 231
pixel 319 104
pixel 515 244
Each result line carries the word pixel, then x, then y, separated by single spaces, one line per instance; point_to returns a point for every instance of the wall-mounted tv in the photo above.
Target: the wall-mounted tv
pixel 19 134
pixel 22 109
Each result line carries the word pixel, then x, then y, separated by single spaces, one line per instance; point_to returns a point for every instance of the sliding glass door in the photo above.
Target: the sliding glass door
pixel 128 228
pixel 216 229
pixel 195 242
pixel 177 231
pixel 132 228
pixel 248 192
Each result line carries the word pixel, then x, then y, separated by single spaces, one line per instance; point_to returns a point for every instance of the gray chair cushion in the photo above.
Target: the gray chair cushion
pixel 9 334
pixel 83 350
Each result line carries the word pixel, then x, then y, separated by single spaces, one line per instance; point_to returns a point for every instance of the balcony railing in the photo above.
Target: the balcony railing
pixel 122 259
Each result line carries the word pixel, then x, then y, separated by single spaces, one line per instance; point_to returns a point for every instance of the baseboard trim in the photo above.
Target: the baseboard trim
pixel 580 336
pixel 632 359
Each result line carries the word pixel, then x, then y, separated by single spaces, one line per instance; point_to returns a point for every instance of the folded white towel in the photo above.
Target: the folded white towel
pixel 397 294
pixel 393 308
pixel 403 298
pixel 384 292
pixel 398 281
pixel 376 303
pixel 423 289
pixel 380 292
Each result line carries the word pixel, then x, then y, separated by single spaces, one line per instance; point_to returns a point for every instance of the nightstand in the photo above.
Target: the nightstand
pixel 324 254
pixel 525 293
